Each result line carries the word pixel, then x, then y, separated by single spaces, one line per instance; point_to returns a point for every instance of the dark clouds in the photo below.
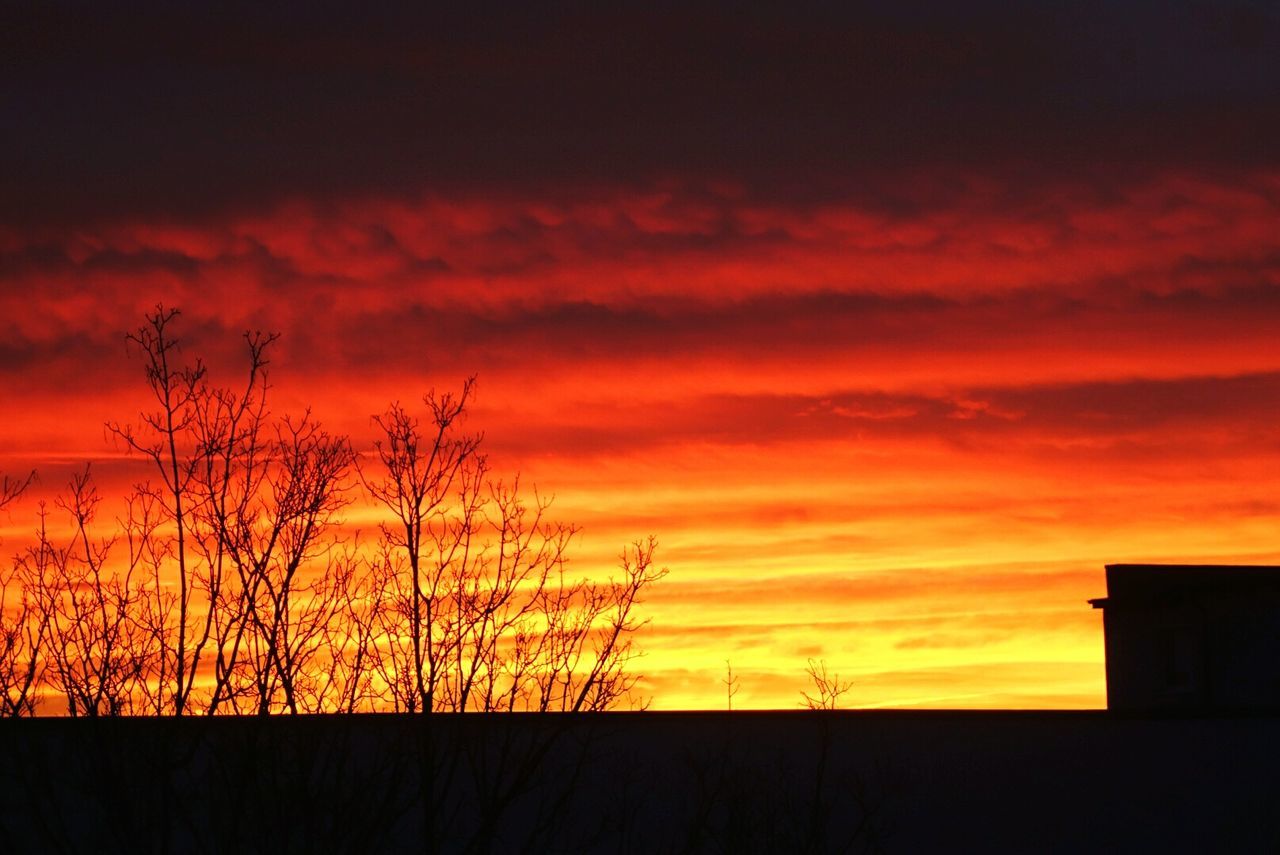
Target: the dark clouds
pixel 169 110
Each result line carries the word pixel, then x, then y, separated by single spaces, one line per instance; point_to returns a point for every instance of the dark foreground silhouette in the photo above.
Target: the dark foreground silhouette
pixel 876 781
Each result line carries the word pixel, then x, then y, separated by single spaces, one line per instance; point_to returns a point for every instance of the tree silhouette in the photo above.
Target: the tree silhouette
pixel 827 688
pixel 228 585
pixel 182 446
pixel 477 606
pixel 12 488
pixel 731 686
pixel 22 625
pixel 99 655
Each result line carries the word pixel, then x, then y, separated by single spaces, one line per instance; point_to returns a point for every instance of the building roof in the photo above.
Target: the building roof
pixel 1142 583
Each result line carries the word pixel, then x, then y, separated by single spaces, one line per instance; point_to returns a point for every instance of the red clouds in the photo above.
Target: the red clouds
pixel 965 282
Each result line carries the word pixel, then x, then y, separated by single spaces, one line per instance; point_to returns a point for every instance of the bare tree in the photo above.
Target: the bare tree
pixel 242 505
pixel 228 586
pixel 416 485
pixel 22 632
pixel 730 685
pixel 99 656
pixel 12 488
pixel 478 609
pixel 280 528
pixel 341 676
pixel 827 688
pixel 165 437
pixel 22 625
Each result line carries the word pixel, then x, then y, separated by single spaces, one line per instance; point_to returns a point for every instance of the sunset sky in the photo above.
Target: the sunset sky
pixel 892 326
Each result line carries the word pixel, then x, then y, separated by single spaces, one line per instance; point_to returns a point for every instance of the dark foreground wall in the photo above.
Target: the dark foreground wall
pixel 644 782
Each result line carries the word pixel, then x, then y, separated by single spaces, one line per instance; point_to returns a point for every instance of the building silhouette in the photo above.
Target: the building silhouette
pixel 1194 637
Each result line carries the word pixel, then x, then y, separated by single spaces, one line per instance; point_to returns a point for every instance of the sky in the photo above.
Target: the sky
pixel 893 325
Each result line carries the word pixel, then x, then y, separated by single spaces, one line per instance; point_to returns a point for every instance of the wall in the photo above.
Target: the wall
pixel 892 781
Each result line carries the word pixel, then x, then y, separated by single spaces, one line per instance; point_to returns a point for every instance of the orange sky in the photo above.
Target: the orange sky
pixel 905 444
pixel 892 326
